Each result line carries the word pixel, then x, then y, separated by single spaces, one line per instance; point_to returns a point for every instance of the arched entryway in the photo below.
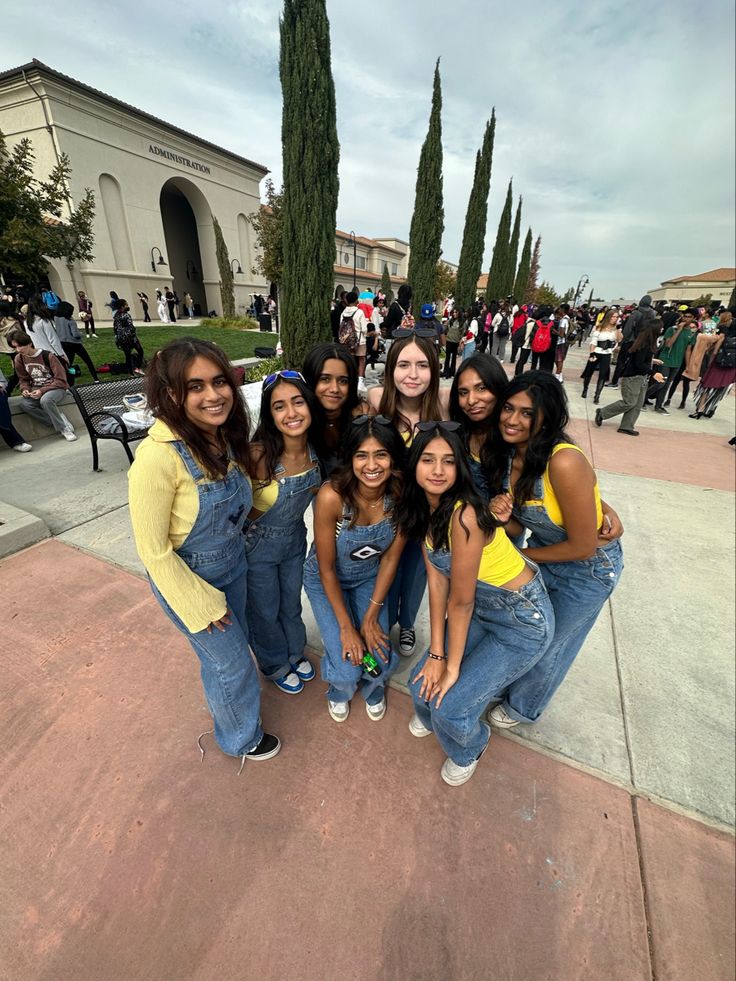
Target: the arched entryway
pixel 190 243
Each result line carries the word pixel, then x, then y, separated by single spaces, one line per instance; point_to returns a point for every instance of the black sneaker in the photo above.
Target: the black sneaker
pixel 267 748
pixel 661 409
pixel 598 418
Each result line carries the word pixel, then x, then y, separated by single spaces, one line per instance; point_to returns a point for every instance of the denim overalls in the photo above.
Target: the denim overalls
pixel 275 546
pixel 358 552
pixel 480 478
pixel 578 591
pixel 509 632
pixel 213 550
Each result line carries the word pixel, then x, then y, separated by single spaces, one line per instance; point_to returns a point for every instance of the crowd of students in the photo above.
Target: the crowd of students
pixel 476 495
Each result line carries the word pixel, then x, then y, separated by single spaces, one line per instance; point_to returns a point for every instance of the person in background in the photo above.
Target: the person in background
pixel 43 384
pixel 398 311
pixel 126 338
pixel 71 339
pixel 453 337
pixel 338 306
pixel 144 304
pixel 189 305
pixel 563 339
pixel 501 329
pixel 635 378
pixel 519 322
pixel 469 339
pixel 721 372
pixel 85 314
pixel 675 352
pixel 170 297
pixel 603 341
pixel 112 302
pixel 162 307
pixel 353 312
pixel 632 326
pixel 39 325
pixel 8 433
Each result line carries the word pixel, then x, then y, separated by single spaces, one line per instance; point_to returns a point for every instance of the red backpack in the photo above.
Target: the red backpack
pixel 542 340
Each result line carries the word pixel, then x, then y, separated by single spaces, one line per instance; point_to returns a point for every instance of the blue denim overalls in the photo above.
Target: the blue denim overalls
pixel 578 591
pixel 358 555
pixel 213 550
pixel 480 478
pixel 509 632
pixel 275 546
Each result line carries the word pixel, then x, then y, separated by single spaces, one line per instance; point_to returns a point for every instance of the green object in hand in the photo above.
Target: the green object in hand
pixel 371 665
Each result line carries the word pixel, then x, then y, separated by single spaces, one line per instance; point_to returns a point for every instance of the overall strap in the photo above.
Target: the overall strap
pixel 195 472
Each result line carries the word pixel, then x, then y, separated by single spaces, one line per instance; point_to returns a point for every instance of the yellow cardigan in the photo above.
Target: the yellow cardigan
pixel 164 504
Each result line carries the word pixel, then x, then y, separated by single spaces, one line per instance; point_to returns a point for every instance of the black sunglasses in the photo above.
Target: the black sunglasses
pixel 379 420
pixel 445 424
pixel 400 332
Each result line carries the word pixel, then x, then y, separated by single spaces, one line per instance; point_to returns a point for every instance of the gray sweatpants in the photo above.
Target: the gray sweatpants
pixel 46 409
pixel 633 391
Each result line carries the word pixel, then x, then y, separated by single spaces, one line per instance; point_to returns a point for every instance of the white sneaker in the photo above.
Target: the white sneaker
pixel 456 775
pixel 500 718
pixel 417 727
pixel 339 711
pixel 377 711
pixel 69 435
pixel 23 448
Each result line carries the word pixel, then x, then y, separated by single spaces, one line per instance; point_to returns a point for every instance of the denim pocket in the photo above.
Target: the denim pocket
pixel 528 616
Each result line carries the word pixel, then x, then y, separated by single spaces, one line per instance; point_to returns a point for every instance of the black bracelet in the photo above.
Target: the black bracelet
pixel 437 657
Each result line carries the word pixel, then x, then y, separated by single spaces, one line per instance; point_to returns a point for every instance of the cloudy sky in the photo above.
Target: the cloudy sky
pixel 615 118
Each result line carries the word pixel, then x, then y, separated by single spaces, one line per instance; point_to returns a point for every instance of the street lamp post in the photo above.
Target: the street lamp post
pixel 351 238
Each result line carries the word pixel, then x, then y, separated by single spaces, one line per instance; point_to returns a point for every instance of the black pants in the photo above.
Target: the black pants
pixel 451 358
pixel 72 349
pixel 515 345
pixel 523 358
pixel 545 360
pixel 483 340
pixel 139 361
pixel 674 380
pixel 172 311
pixel 602 365
pixel 146 317
pixel 660 388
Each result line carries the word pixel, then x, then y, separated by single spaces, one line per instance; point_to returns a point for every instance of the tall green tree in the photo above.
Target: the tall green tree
pixel 445 281
pixel 522 273
pixel 530 294
pixel 311 153
pixel 732 301
pixel 497 275
pixel 474 234
pixel 513 251
pixel 386 285
pixel 227 288
pixel 427 223
pixel 268 226
pixel 37 218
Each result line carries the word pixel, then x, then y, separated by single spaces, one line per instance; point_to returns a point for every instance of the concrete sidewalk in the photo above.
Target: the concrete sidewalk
pixel 130 859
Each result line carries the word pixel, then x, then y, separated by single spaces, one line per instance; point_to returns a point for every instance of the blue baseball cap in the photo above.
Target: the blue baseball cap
pixel 427 311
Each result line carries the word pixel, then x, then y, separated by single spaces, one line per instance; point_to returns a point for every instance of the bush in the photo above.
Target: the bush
pixel 258 372
pixel 230 323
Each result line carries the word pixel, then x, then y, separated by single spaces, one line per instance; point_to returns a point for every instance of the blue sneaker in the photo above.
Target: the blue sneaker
pixel 290 683
pixel 304 670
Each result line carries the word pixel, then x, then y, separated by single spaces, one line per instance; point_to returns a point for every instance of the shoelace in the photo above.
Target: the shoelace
pixel 209 732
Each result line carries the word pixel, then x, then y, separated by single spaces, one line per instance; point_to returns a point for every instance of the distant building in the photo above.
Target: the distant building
pixel 362 261
pixel 719 283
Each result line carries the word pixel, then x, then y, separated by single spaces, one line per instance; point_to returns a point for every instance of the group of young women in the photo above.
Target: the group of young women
pixel 417 488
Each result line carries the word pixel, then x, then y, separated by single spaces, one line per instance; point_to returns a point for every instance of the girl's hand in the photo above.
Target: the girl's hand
pixel 501 507
pixel 352 645
pixel 375 639
pixel 448 680
pixel 431 675
pixel 221 623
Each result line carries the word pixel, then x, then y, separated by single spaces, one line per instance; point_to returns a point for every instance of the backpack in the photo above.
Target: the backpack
pixel 347 335
pixel 726 357
pixel 407 322
pixel 124 330
pixel 503 328
pixel 50 299
pixel 542 340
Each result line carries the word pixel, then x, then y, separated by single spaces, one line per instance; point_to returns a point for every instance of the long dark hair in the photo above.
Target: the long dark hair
pixel 413 515
pixel 430 407
pixel 494 378
pixel 647 336
pixel 166 392
pixel 343 479
pixel 37 309
pixel 267 433
pixel 549 402
pixel 314 362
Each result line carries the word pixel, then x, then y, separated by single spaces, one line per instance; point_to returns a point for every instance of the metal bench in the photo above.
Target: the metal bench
pixel 105 402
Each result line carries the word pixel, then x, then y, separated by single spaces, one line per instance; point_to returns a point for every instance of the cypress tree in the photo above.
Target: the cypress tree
pixel 497 276
pixel 474 234
pixel 310 157
pixel 427 223
pixel 227 290
pixel 531 284
pixel 522 275
pixel 513 252
pixel 386 285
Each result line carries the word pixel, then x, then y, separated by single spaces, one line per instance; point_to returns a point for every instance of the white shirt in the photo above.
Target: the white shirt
pixel 359 322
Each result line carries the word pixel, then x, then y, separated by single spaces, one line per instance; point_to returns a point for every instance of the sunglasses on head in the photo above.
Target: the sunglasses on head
pixel 379 420
pixel 286 374
pixel 445 424
pixel 400 332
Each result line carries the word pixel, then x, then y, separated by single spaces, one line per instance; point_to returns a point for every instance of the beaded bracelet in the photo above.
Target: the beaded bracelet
pixel 437 657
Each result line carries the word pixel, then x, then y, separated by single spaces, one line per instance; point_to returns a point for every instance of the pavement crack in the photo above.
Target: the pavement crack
pixel 642 880
pixel 622 701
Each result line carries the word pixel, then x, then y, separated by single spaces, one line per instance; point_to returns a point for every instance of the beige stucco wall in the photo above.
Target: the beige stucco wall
pixel 692 290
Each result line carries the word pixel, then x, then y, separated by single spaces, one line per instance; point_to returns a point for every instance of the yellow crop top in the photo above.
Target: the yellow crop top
pixel 265 497
pixel 500 562
pixel 550 502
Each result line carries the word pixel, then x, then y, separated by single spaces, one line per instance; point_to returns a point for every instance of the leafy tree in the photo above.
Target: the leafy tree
pixel 531 283
pixel 37 218
pixel 513 252
pixel 702 301
pixel 522 274
pixel 497 275
pixel 267 223
pixel 427 223
pixel 227 289
pixel 311 152
pixel 386 285
pixel 474 234
pixel 546 294
pixel 445 281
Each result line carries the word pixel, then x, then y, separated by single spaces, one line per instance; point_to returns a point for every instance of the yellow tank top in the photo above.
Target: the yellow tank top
pixel 264 498
pixel 550 502
pixel 500 562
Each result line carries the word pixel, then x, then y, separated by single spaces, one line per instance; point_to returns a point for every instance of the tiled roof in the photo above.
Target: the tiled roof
pixel 724 274
pixel 41 69
pixel 371 243
pixel 347 271
pixel 482 282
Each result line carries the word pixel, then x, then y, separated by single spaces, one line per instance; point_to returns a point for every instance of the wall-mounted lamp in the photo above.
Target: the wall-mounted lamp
pixel 191 269
pixel 160 261
pixel 238 271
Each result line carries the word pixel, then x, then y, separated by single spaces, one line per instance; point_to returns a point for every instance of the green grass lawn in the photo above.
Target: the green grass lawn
pixel 235 343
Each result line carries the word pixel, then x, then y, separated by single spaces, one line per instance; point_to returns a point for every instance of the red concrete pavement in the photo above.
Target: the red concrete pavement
pixel 345 857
